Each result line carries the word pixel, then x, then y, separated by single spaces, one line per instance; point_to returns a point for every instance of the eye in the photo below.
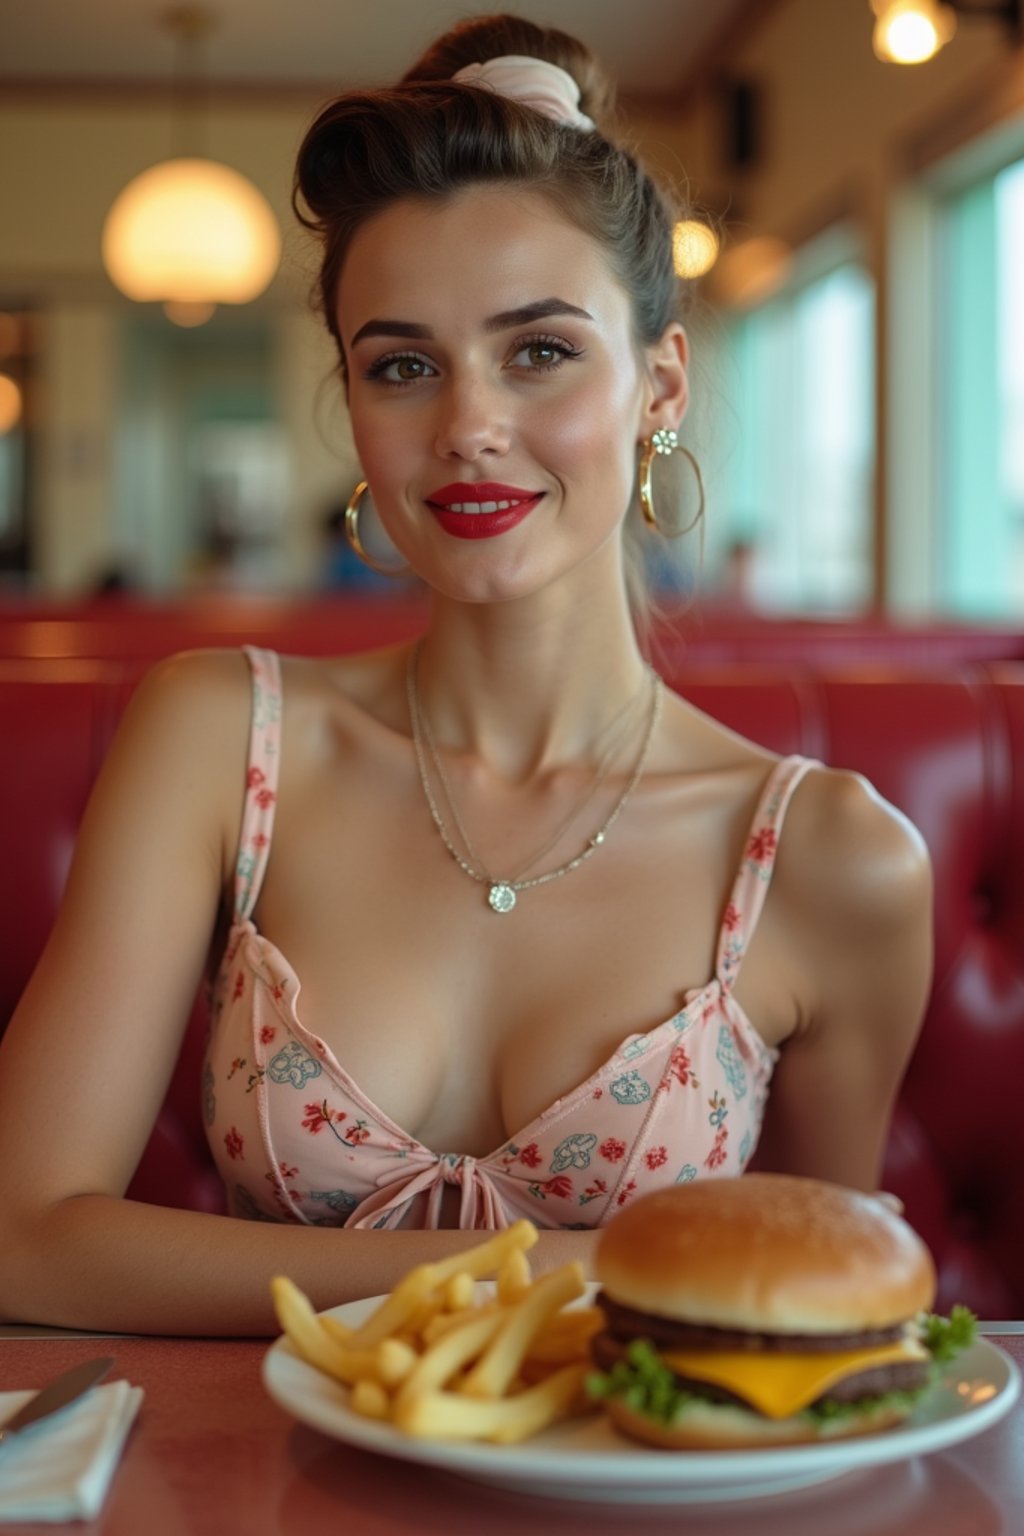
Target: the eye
pixel 542 353
pixel 399 368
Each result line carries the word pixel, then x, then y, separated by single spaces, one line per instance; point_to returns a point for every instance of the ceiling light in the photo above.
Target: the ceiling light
pixel 694 248
pixel 752 272
pixel 190 233
pixel 10 404
pixel 912 31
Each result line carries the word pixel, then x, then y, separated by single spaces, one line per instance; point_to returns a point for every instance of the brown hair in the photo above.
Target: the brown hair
pixel 430 136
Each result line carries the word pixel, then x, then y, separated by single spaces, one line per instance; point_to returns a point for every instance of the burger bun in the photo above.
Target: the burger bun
pixel 725 1426
pixel 767 1253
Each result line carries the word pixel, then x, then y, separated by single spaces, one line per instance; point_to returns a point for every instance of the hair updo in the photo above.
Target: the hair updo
pixel 430 136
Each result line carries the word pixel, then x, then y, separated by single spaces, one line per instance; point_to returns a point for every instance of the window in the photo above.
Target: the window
pixel 799 477
pixel 981 329
pixel 203 461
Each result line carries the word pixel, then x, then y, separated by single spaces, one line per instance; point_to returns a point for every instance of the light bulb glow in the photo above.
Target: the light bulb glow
pixel 750 273
pixel 912 31
pixel 694 248
pixel 910 39
pixel 10 404
pixel 191 232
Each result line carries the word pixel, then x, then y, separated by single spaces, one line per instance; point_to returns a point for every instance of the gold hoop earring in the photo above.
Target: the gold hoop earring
pixel 665 441
pixel 356 543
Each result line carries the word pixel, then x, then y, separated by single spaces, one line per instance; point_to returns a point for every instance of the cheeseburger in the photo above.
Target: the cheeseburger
pixel 763 1310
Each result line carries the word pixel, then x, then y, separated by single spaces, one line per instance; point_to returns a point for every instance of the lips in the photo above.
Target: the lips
pixel 481 510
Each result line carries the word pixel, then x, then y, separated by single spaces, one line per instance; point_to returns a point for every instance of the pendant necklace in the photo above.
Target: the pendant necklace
pixel 502 894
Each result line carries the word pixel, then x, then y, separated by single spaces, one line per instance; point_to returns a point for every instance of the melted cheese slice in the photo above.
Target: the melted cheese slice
pixel 780 1384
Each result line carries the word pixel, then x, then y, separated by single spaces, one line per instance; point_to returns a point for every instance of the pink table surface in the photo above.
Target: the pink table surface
pixel 212 1455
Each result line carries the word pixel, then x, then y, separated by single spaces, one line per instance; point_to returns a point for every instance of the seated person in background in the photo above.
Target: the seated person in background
pixel 561 938
pixel 736 591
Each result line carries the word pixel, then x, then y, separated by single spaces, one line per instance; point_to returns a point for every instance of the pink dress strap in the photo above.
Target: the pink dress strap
pixel 756 867
pixel 260 780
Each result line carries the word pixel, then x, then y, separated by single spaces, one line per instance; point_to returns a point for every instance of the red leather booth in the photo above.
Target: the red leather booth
pixel 944 744
pixel 139 629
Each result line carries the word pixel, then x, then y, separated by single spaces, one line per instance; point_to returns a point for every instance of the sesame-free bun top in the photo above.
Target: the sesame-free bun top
pixel 766 1253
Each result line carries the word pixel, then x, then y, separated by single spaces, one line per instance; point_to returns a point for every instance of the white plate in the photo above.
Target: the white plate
pixel 586 1459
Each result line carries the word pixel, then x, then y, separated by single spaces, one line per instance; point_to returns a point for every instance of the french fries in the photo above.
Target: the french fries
pixel 499 1364
pixel 513 1276
pixel 438 1360
pixel 431 1415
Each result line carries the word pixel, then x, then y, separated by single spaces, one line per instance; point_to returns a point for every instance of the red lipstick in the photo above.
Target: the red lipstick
pixel 481 510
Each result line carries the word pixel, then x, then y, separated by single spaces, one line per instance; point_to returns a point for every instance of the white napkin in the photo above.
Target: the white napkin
pixel 62 1470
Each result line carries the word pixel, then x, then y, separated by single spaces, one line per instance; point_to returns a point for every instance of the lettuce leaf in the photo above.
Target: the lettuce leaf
pixel 945 1337
pixel 644 1382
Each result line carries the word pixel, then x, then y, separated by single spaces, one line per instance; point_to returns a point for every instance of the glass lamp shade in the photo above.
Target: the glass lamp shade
pixel 191 232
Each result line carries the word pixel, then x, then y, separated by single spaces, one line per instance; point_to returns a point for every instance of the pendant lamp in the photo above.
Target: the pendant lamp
pixel 10 404
pixel 694 247
pixel 190 233
pixel 913 31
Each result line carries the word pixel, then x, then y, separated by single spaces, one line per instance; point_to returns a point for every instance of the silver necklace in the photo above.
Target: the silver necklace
pixel 502 893
pixel 622 721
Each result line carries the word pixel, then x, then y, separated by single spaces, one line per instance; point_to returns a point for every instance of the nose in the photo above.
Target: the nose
pixel 471 420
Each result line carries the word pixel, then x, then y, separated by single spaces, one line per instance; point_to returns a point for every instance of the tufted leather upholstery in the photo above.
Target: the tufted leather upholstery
pixel 947 747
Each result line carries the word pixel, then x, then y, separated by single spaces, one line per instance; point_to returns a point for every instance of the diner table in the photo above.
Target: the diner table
pixel 212 1454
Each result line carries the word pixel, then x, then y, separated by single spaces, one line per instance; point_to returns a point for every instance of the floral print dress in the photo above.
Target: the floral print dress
pixel 296 1139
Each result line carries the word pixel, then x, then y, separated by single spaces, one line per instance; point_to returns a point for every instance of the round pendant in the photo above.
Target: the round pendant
pixel 501 897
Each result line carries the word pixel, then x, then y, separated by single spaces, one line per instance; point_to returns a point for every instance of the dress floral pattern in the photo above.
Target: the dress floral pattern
pixel 295 1138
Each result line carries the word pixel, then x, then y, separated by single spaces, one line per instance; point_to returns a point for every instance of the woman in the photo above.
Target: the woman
pixel 560 937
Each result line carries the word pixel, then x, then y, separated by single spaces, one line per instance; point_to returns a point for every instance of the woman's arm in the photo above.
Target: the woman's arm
pixel 87 1058
pixel 855 884
pixel 97 1261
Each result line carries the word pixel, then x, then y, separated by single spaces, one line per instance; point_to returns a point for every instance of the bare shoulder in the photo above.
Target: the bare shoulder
pixel 217 679
pixel 193 686
pixel 181 743
pixel 195 709
pixel 849 857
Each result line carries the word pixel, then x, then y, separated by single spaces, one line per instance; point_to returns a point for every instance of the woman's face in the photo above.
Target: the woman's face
pixel 496 394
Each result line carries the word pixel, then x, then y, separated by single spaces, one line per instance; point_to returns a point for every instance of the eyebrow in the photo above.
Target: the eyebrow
pixel 525 315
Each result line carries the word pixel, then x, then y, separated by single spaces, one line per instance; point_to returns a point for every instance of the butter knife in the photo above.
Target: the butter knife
pixel 57 1394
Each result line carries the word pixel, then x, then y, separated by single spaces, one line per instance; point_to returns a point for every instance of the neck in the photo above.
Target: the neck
pixel 526 690
pixel 504 889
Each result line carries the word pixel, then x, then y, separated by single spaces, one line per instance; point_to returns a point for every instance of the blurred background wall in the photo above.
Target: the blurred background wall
pixel 858 342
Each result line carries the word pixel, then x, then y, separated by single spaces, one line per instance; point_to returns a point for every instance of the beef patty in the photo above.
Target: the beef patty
pixel 666 1333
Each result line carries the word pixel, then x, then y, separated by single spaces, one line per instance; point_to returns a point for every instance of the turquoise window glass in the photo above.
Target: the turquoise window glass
pixel 799 483
pixel 981 565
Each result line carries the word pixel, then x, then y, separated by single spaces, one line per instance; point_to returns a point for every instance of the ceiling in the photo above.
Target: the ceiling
pixel 653 45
